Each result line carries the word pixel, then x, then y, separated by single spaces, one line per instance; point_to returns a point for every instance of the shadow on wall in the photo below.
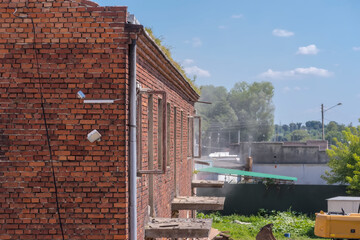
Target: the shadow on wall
pixel 247 199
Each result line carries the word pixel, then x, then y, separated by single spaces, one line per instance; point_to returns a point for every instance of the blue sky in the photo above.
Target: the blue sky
pixel 309 50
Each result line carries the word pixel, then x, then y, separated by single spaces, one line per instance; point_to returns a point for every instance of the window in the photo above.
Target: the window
pixel 181 134
pixel 139 137
pixel 160 132
pixel 175 135
pixel 197 137
pixel 190 137
pixel 148 102
pixel 150 133
pixel 168 116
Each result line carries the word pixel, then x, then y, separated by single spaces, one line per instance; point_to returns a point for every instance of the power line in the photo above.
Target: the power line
pixel 45 121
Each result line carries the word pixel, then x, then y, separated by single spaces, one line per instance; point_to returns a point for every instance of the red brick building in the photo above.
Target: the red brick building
pixel 50 50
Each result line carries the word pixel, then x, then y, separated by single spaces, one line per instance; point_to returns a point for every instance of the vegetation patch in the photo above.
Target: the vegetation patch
pixel 167 52
pixel 300 226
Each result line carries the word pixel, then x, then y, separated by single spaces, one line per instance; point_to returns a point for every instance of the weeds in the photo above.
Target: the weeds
pixel 300 226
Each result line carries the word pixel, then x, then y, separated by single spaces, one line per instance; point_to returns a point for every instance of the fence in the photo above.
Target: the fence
pixel 246 199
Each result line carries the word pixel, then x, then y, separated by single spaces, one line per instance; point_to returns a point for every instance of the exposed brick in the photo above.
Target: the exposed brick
pixel 80 46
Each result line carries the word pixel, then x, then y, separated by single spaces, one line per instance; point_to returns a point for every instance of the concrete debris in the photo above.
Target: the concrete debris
pixel 242 223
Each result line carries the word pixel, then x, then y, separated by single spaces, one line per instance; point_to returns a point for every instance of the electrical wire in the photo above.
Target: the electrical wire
pixel 45 122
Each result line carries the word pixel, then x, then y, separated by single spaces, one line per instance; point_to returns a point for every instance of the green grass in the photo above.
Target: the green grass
pixel 300 226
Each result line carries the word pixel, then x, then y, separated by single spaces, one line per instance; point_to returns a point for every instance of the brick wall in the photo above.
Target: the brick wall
pixel 79 46
pixel 156 73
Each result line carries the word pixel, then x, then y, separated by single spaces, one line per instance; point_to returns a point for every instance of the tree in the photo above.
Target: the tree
pixel 298 135
pixel 219 112
pixel 316 125
pixel 345 161
pixel 292 127
pixel 253 106
pixel 285 127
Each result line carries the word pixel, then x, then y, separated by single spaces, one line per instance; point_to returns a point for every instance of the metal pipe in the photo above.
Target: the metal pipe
pixel 132 142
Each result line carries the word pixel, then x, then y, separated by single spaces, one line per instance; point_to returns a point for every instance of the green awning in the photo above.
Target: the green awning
pixel 227 171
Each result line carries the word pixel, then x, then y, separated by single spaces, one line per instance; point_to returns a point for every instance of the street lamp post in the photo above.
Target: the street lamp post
pixel 322 117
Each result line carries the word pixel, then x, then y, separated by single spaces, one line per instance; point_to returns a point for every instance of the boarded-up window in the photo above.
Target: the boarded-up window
pixel 175 135
pixel 197 137
pixel 150 133
pixel 190 137
pixel 168 116
pixel 181 135
pixel 160 132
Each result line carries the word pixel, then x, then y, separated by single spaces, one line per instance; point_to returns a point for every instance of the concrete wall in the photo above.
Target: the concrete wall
pixel 281 153
pixel 309 174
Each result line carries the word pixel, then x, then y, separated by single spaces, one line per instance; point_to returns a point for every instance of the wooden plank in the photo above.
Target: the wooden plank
pixel 178 228
pixel 201 162
pixel 207 183
pixel 198 203
pixel 213 233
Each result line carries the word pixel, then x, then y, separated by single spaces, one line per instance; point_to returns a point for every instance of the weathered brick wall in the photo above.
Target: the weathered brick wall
pixel 156 73
pixel 80 47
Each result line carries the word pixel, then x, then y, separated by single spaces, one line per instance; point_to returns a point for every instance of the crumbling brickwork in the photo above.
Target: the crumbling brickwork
pixel 78 45
pixel 156 75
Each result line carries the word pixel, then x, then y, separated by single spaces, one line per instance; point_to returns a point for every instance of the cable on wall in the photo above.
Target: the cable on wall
pixel 45 121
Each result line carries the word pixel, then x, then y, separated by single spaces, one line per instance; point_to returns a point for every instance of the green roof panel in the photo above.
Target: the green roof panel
pixel 227 171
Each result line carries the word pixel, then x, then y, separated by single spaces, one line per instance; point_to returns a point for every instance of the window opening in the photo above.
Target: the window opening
pixel 145 132
pixel 160 133
pixel 168 116
pixel 197 137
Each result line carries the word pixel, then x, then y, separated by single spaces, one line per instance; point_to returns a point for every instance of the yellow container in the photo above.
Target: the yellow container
pixel 337 226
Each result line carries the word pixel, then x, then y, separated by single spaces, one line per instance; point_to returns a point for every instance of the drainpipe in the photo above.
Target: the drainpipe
pixel 132 141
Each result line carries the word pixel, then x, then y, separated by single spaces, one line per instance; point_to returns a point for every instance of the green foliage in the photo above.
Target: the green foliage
pixel 298 135
pixel 247 108
pixel 299 225
pixel 219 112
pixel 253 106
pixel 310 131
pixel 167 52
pixel 345 161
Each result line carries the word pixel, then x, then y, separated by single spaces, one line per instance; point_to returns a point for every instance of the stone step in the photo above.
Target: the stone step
pixel 198 203
pixel 178 228
pixel 207 184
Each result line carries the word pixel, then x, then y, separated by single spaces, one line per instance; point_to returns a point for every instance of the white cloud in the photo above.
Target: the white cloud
pixel 188 62
pixel 237 16
pixel 282 33
pixel 195 42
pixel 222 27
pixel 286 89
pixel 195 70
pixel 356 48
pixel 308 50
pixel 295 73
